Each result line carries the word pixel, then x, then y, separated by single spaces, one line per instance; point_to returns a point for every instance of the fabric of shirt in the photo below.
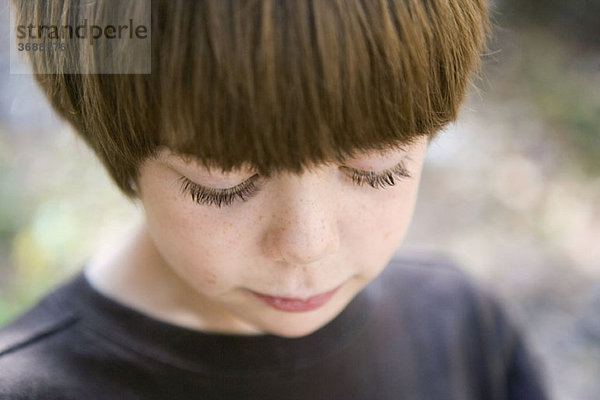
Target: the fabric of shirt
pixel 420 331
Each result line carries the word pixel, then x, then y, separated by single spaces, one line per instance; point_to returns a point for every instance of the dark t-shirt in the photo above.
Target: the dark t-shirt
pixel 421 331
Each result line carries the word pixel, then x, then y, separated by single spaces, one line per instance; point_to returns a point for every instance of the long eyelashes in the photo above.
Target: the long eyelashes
pixel 219 197
pixel 248 188
pixel 380 179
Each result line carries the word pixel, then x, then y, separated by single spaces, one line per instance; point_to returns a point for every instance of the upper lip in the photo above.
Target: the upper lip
pixel 299 297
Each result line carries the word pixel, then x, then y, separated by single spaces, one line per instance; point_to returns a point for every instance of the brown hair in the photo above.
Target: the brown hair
pixel 279 84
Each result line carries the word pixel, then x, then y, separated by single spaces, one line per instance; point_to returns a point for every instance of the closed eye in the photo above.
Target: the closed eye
pixel 247 189
pixel 381 179
pixel 219 197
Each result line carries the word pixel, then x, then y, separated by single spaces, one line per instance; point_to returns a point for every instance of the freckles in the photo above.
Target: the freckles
pixel 211 278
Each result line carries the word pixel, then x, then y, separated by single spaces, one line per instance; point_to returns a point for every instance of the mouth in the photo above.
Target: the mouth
pixel 291 304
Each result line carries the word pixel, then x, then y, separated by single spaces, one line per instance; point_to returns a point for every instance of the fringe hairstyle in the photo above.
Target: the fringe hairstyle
pixel 280 84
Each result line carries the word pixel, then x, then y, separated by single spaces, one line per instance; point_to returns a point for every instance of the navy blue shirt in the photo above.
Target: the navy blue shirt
pixel 420 331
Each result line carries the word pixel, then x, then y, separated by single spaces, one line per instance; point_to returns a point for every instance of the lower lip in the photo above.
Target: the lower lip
pixel 297 305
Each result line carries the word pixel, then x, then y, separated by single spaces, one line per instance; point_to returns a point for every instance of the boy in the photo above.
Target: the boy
pixel 276 149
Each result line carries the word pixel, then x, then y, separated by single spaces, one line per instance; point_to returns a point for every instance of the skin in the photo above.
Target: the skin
pixel 195 265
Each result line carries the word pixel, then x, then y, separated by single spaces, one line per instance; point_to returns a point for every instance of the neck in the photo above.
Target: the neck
pixel 132 272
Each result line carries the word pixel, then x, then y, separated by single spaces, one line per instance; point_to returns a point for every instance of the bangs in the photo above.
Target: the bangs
pixel 285 84
pixel 278 84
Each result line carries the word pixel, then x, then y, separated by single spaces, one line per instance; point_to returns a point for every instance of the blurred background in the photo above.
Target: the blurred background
pixel 511 191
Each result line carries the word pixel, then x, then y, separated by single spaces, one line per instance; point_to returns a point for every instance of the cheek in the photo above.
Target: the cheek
pixel 196 242
pixel 381 225
pixel 397 215
pixel 387 214
pixel 383 216
pixel 390 219
pixel 198 248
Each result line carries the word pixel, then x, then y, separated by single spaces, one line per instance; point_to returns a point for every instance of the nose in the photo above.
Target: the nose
pixel 305 228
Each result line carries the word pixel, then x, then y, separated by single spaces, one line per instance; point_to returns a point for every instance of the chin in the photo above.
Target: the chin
pixel 291 329
pixel 292 332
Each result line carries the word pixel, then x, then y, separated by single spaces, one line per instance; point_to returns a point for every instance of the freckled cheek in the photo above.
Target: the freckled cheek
pixel 385 220
pixel 206 261
pixel 208 277
pixel 402 211
pixel 207 249
pixel 374 238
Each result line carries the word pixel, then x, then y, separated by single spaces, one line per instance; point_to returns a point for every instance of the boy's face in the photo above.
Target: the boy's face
pixel 311 242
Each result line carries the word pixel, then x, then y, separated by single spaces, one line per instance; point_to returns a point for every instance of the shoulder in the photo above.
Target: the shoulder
pixel 35 325
pixel 31 348
pixel 430 275
pixel 443 308
pixel 435 291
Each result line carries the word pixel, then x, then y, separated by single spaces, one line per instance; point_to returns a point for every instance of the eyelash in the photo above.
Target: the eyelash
pixel 248 188
pixel 380 179
pixel 219 197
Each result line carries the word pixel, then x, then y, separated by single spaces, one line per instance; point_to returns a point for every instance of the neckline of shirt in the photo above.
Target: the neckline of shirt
pixel 214 353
